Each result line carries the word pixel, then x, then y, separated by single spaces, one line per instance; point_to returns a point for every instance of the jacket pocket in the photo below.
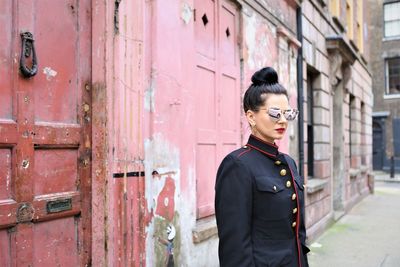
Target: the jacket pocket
pixel 299 182
pixel 268 184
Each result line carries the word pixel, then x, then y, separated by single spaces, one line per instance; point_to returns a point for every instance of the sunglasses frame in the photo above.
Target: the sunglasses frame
pixel 276 113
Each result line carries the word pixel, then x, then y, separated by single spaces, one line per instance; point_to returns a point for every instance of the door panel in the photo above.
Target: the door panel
pixel 205 28
pixel 50 166
pixel 5 60
pixel 59 239
pixel 5 173
pixel 5 251
pixel 45 142
pixel 378 146
pixel 217 93
pixel 57 40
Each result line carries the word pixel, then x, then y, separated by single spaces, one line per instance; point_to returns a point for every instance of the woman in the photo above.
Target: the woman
pixel 259 201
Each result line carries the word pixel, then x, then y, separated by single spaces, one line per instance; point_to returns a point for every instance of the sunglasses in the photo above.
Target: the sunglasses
pixel 276 113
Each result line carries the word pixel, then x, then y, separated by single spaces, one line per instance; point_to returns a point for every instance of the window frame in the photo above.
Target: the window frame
pixel 387 89
pixel 384 20
pixel 310 125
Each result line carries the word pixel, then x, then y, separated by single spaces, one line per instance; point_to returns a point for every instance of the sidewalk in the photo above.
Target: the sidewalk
pixel 368 236
pixel 385 177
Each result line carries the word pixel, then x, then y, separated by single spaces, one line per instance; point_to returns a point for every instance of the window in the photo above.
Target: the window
pixel 335 8
pixel 393 75
pixel 310 126
pixel 360 37
pixel 349 18
pixel 364 153
pixel 352 128
pixel 391 16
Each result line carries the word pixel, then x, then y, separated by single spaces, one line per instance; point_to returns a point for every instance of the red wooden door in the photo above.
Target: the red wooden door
pixel 217 89
pixel 45 138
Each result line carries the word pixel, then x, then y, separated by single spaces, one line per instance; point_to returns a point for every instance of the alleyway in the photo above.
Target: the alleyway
pixel 368 236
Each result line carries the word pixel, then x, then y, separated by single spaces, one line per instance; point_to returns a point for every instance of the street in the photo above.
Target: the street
pixel 368 236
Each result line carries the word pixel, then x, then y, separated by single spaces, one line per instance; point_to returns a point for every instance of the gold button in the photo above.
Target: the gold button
pixel 274 187
pixel 294 210
pixel 278 162
pixel 294 224
pixel 288 184
pixel 293 196
pixel 282 172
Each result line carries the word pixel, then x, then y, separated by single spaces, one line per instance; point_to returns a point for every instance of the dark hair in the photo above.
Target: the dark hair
pixel 264 81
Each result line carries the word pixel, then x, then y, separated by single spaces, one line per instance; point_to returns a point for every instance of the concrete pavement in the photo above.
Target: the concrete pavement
pixel 368 236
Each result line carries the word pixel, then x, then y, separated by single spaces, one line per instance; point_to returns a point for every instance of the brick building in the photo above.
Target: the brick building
pixel 338 96
pixel 384 32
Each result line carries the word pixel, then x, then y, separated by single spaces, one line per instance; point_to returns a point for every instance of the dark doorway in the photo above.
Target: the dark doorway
pixel 378 146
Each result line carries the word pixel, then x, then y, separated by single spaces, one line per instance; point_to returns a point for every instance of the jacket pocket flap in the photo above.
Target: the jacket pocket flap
pixel 299 182
pixel 267 184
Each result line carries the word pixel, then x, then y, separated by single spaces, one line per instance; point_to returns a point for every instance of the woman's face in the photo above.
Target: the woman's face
pixel 263 125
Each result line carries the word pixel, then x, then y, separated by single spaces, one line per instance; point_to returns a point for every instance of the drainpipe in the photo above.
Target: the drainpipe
pixel 300 96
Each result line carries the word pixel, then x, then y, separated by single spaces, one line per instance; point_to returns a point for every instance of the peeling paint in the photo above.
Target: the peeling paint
pixel 187 13
pixel 160 232
pixel 162 164
pixel 260 42
pixel 165 200
pixel 149 97
pixel 50 73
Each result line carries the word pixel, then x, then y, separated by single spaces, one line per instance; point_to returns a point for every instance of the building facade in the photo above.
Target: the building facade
pixel 338 107
pixel 384 32
pixel 117 141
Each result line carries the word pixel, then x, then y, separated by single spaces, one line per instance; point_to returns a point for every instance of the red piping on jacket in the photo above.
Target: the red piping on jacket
pixel 265 142
pixel 297 216
pixel 244 152
pixel 262 151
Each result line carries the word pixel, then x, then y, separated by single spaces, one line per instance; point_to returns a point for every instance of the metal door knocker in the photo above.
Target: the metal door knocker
pixel 28 48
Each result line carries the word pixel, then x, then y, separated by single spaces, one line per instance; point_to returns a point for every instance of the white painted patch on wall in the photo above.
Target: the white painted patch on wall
pixel 187 13
pixel 251 39
pixel 49 73
pixel 257 43
pixel 149 97
pixel 163 157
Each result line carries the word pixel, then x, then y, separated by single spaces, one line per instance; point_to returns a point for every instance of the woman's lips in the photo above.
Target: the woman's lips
pixel 280 130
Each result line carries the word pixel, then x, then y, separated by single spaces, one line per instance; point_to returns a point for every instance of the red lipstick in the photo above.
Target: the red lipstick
pixel 280 130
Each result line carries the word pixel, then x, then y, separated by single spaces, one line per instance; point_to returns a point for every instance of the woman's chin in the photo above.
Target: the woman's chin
pixel 279 136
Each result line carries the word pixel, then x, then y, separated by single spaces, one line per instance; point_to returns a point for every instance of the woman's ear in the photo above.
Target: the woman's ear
pixel 250 115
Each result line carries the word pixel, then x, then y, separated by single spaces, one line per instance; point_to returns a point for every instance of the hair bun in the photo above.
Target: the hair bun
pixel 265 75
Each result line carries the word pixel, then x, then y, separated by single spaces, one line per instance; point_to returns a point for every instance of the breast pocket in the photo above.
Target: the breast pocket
pixel 300 186
pixel 271 198
pixel 268 184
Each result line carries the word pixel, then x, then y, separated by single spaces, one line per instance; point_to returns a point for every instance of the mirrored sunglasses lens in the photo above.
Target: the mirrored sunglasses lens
pixel 291 114
pixel 274 113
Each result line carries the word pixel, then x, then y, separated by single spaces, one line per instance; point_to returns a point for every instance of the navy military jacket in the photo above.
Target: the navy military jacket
pixel 259 207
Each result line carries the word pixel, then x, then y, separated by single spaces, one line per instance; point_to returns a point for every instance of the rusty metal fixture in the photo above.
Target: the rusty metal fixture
pixel 25 213
pixel 25 164
pixel 86 107
pixel 27 49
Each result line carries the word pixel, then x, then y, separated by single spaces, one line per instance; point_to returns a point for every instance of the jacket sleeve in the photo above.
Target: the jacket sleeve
pixel 233 211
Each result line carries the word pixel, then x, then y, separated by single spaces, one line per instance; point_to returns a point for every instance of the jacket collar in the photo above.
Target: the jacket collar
pixel 263 146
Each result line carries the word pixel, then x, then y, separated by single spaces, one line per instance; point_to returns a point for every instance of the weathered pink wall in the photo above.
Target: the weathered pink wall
pixel 145 120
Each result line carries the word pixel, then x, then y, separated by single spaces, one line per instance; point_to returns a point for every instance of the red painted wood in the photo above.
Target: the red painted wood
pixel 218 96
pixel 45 135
